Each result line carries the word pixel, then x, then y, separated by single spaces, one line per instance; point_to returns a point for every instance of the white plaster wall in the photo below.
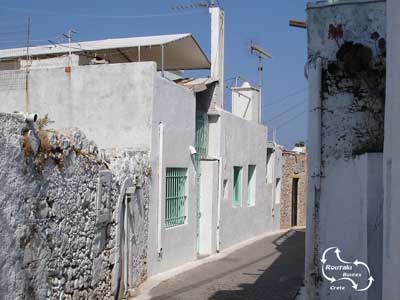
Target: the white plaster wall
pixel 243 143
pixel 175 107
pixel 391 244
pixel 338 214
pixel 346 192
pixel 112 104
pixel 54 62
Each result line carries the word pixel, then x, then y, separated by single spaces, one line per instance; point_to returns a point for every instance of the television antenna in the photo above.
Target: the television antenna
pixel 261 54
pixel 205 4
pixel 69 37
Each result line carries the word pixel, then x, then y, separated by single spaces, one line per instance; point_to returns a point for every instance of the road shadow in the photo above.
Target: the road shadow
pixel 281 280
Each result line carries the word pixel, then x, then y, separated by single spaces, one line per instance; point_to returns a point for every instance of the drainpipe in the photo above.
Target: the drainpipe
pixel 160 184
pixel 316 115
pixel 126 242
pixel 162 60
pixel 220 187
pixel 273 180
pixel 314 77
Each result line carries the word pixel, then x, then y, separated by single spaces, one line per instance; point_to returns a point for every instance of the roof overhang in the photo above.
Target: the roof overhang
pixel 181 51
pixel 196 84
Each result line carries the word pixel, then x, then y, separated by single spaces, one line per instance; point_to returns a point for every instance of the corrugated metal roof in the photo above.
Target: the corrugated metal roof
pixel 181 50
pixel 196 84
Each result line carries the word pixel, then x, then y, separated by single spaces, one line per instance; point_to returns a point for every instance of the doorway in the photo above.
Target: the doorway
pixel 295 192
pixel 207 208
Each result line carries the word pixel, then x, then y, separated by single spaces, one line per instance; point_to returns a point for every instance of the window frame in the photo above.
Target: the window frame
pixel 175 200
pixel 251 185
pixel 237 185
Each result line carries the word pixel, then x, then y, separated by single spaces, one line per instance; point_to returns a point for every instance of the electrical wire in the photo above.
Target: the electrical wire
pixel 291 120
pixel 282 99
pixel 287 110
pixel 45 12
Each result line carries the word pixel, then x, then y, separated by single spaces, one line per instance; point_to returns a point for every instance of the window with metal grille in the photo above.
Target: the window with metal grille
pixel 201 134
pixel 175 197
pixel 251 185
pixel 237 186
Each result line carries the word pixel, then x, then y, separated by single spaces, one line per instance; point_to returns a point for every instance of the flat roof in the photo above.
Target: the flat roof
pixel 181 51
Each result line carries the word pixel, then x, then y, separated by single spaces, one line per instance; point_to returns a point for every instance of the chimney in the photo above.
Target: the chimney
pixel 245 102
pixel 217 53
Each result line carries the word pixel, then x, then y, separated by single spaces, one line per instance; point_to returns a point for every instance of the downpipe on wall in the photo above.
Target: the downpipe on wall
pixel 217 233
pixel 160 184
pixel 313 72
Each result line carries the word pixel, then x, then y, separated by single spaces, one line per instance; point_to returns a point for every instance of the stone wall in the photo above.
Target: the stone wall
pixel 294 166
pixel 60 209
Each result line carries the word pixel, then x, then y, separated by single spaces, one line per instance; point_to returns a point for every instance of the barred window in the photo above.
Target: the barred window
pixel 175 197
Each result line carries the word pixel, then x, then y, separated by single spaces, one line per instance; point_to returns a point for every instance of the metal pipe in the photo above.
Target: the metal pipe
pixel 126 246
pixel 139 58
pixel 162 60
pixel 316 110
pixel 220 187
pixel 160 185
pixel 314 177
pixel 260 84
pixel 31 118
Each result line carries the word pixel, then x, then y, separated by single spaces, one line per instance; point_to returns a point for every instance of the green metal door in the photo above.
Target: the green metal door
pixel 202 150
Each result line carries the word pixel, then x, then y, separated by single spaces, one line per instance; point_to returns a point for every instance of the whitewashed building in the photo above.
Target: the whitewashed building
pixel 346 73
pixel 391 169
pixel 209 171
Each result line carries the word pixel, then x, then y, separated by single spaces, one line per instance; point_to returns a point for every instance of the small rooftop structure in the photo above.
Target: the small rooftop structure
pixel 174 52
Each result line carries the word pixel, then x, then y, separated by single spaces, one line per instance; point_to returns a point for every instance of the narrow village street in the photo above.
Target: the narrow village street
pixel 271 268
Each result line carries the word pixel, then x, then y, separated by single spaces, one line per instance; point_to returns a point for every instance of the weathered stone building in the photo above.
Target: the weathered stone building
pixel 64 207
pixel 293 189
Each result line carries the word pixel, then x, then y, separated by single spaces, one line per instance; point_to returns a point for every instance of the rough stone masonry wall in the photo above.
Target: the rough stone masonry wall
pixel 53 242
pixel 294 166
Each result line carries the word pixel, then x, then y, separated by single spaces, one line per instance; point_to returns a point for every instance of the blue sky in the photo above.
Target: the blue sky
pixel 262 21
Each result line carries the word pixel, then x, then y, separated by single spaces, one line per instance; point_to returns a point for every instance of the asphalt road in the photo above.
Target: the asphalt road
pixel 269 269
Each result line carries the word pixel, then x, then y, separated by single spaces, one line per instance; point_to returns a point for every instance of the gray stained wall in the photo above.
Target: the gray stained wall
pixel 59 215
pixel 344 197
pixel 120 106
pixel 391 165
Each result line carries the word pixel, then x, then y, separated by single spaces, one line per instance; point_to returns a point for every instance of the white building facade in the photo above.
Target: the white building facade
pixel 209 170
pixel 391 212
pixel 346 74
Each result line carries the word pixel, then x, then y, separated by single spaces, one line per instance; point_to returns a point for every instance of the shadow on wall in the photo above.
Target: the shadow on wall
pixel 279 281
